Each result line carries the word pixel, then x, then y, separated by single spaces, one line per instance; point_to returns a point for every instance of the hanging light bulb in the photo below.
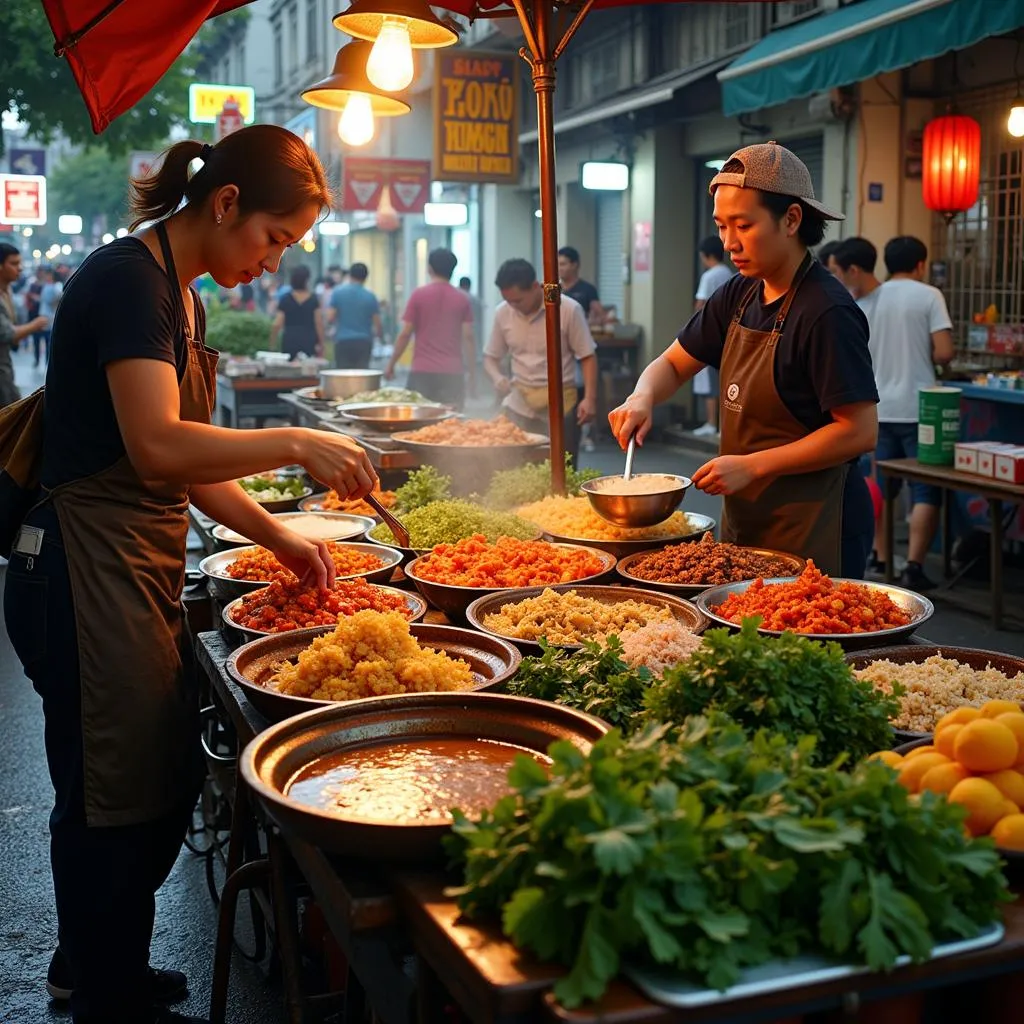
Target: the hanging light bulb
pixel 389 66
pixel 355 126
pixel 1015 122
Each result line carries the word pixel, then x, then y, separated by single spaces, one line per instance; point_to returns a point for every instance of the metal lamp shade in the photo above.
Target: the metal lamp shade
pixel 364 18
pixel 348 77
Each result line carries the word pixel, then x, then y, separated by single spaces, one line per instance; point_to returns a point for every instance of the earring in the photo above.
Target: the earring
pixel 219 218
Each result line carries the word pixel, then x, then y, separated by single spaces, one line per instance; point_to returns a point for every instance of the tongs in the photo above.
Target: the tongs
pixel 400 532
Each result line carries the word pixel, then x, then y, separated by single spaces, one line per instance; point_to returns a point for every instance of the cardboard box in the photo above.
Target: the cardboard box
pixel 987 458
pixel 1009 466
pixel 965 457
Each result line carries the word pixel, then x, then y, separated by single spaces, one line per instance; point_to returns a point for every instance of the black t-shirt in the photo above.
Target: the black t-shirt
pixel 822 359
pixel 118 305
pixel 584 293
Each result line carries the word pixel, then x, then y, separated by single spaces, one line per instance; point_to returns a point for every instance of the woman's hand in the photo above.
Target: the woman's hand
pixel 636 414
pixel 337 461
pixel 727 474
pixel 310 560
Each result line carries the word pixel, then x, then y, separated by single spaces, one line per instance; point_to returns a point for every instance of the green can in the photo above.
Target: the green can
pixel 938 425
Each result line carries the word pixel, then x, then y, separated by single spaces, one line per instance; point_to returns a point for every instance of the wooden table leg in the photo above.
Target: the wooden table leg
pixel 995 510
pixel 888 528
pixel 947 534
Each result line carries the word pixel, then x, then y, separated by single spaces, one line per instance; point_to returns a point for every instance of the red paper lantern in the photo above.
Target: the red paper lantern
pixel 952 164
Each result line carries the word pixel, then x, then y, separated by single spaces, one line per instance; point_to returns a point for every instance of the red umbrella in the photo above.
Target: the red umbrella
pixel 118 49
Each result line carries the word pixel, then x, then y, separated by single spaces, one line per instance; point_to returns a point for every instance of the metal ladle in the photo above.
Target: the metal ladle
pixel 401 534
pixel 627 473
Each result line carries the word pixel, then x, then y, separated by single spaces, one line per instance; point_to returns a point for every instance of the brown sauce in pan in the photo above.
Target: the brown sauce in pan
pixel 415 782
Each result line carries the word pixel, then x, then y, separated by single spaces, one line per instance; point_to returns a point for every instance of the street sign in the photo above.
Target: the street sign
pixel 205 102
pixel 228 120
pixel 22 199
pixel 27 161
pixel 367 178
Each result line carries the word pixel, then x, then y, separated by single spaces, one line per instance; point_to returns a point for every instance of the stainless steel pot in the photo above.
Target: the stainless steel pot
pixel 335 384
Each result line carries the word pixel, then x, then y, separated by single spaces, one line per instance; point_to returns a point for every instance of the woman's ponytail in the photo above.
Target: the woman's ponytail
pixel 160 194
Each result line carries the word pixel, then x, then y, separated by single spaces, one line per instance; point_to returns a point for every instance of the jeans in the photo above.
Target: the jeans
pixel 446 388
pixel 353 353
pixel 899 441
pixel 858 524
pixel 104 879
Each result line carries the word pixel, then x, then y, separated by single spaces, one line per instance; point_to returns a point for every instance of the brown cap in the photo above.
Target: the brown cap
pixel 770 167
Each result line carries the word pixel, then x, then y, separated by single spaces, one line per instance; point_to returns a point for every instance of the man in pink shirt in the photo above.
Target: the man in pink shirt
pixel 441 317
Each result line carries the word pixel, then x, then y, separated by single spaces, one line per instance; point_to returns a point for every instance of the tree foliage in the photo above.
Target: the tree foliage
pixel 91 184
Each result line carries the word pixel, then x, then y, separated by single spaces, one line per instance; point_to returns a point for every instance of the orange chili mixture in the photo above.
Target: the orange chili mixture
pixel 285 605
pixel 330 502
pixel 260 566
pixel 813 603
pixel 507 563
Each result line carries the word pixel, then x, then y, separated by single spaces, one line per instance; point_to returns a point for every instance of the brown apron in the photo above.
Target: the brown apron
pixel 125 544
pixel 799 513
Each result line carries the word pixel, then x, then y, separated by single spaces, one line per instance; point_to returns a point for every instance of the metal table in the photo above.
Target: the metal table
pixel 256 398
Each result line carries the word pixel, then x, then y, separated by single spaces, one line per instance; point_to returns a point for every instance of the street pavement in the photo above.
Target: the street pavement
pixel 186 916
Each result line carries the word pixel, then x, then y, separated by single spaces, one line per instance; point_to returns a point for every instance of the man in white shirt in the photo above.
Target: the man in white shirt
pixel 716 273
pixel 854 260
pixel 519 332
pixel 910 333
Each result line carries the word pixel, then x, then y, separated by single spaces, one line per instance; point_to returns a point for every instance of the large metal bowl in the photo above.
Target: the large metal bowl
pixel 976 658
pixel 414 603
pixel 454 600
pixel 625 570
pixel 278 754
pixel 685 613
pixel 492 661
pixel 285 504
pixel 637 510
pixel 225 587
pixel 338 384
pixel 385 419
pixel 348 526
pixel 622 548
pixel 919 608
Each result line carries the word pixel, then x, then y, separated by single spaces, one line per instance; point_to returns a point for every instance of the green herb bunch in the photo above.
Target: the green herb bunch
pixel 710 851
pixel 423 486
pixel 593 679
pixel 447 522
pixel 510 488
pixel 789 684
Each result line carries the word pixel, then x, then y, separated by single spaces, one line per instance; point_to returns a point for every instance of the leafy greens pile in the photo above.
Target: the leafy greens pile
pixel 423 486
pixel 510 488
pixel 710 851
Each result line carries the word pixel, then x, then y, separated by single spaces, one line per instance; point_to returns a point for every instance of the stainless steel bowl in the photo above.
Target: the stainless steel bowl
pixel 626 571
pixel 919 608
pixel 686 613
pixel 493 661
pixel 336 384
pixel 273 759
pixel 621 548
pixel 226 587
pixel 637 510
pixel 385 419
pixel 414 603
pixel 348 526
pixel 454 600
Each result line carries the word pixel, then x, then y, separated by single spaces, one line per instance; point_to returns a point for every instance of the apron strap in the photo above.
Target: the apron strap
pixel 780 320
pixel 745 301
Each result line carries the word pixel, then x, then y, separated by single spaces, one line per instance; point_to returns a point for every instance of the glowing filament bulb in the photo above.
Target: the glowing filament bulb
pixel 389 66
pixel 1015 122
pixel 355 126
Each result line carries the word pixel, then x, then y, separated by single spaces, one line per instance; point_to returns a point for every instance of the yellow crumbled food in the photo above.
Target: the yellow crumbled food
pixel 370 654
pixel 573 517
pixel 568 618
pixel 938 685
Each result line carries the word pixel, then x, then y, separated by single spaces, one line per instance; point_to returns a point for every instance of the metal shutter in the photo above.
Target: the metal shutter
pixel 610 247
pixel 811 151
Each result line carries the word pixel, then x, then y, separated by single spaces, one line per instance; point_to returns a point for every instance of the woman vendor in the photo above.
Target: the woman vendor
pixel 93 592
pixel 797 391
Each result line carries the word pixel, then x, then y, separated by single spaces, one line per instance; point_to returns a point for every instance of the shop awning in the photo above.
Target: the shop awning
pixel 856 43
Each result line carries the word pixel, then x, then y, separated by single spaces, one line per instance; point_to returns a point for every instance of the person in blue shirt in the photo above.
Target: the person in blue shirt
pixel 353 316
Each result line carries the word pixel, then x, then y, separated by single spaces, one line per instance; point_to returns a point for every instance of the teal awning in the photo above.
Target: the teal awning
pixel 857 42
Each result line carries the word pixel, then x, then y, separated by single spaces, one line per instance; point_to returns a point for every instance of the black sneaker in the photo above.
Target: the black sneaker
pixel 876 569
pixel 166 1016
pixel 166 986
pixel 913 578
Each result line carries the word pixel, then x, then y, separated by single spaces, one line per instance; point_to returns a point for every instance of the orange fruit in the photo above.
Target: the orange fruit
pixel 1009 807
pixel 1008 832
pixel 959 716
pixel 944 740
pixel 985 746
pixel 1009 783
pixel 889 757
pixel 995 708
pixel 943 777
pixel 925 748
pixel 985 804
pixel 912 771
pixel 1014 721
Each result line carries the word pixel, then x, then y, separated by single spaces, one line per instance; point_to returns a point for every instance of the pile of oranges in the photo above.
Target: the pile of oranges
pixel 976 758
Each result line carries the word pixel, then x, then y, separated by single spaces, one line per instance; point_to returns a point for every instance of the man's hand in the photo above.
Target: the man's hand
pixel 310 560
pixel 586 410
pixel 389 371
pixel 728 474
pixel 503 386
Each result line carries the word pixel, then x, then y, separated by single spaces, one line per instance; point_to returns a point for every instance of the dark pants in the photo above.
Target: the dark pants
pixel 353 353
pixel 540 425
pixel 104 878
pixel 446 388
pixel 39 339
pixel 858 524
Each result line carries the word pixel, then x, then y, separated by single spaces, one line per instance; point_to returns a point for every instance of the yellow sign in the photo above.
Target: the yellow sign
pixel 476 116
pixel 205 102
